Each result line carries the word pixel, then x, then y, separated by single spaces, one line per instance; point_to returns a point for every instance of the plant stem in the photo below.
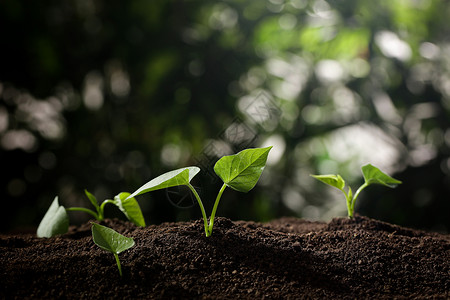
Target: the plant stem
pixel 213 213
pixel 349 206
pixel 205 220
pixel 348 198
pixel 87 210
pixel 356 196
pixel 101 209
pixel 118 263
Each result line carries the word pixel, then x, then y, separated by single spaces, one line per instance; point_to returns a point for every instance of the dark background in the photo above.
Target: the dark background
pixel 105 96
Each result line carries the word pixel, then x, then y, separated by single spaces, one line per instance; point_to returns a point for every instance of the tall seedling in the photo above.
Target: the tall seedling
pixel 240 172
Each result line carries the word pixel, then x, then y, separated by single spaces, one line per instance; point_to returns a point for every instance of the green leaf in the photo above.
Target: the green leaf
pixel 334 180
pixel 170 179
pixel 92 199
pixel 373 175
pixel 241 171
pixel 130 207
pixel 54 222
pixel 110 240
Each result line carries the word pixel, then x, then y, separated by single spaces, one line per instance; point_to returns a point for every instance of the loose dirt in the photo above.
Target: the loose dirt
pixel 287 258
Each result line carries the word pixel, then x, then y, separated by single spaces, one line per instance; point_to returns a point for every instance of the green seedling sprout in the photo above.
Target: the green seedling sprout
pixel 240 172
pixel 56 220
pixel 111 241
pixel 372 175
pixel 128 205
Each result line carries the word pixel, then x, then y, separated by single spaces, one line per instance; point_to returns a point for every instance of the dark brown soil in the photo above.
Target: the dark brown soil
pixel 287 258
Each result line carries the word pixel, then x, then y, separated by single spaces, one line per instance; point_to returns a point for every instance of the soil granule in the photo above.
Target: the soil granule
pixel 287 258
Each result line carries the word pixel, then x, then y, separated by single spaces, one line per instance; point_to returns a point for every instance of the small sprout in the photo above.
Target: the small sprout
pixel 128 205
pixel 240 172
pixel 372 175
pixel 111 241
pixel 54 222
pixel 57 215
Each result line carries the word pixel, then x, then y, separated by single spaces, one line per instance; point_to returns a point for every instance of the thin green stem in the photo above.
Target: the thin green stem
pixel 101 209
pixel 356 196
pixel 348 198
pixel 202 208
pixel 118 263
pixel 216 204
pixel 87 210
pixel 349 206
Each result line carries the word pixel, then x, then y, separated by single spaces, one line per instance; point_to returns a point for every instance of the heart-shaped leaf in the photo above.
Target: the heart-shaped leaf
pixel 55 221
pixel 130 208
pixel 110 240
pixel 334 180
pixel 241 171
pixel 373 175
pixel 170 179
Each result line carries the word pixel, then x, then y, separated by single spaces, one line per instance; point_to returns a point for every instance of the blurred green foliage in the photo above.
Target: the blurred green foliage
pixel 107 95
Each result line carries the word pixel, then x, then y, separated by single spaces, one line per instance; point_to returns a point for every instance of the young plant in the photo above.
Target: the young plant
pixel 56 220
pixel 128 205
pixel 240 172
pixel 111 241
pixel 372 175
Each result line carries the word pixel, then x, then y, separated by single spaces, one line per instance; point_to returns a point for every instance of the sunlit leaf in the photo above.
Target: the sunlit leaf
pixel 241 171
pixel 110 240
pixel 373 175
pixel 170 179
pixel 334 180
pixel 130 207
pixel 55 221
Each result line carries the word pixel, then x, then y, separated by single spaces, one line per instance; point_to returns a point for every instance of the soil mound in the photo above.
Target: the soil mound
pixel 287 258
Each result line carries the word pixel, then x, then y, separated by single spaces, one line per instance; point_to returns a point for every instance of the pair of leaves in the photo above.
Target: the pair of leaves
pixel 240 171
pixel 372 175
pixel 128 205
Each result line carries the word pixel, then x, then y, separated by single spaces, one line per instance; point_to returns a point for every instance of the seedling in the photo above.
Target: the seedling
pixel 240 172
pixel 111 241
pixel 56 220
pixel 128 205
pixel 372 175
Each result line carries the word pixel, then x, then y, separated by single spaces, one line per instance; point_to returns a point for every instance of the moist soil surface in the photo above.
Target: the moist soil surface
pixel 287 258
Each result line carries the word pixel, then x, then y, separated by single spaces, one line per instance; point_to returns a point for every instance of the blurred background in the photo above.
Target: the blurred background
pixel 105 96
